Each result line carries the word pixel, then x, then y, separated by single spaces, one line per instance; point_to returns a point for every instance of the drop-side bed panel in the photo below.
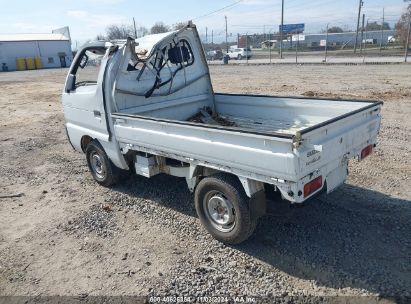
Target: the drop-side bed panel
pixel 254 155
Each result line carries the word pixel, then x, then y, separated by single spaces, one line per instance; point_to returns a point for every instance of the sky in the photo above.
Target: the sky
pixel 87 18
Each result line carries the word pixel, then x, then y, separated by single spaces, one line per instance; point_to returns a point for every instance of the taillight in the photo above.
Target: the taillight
pixel 366 151
pixel 313 186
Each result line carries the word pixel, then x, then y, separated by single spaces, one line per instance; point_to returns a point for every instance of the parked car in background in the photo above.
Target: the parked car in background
pixel 214 55
pixel 239 53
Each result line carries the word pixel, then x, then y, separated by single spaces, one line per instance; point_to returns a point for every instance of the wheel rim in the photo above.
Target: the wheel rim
pixel 219 211
pixel 97 165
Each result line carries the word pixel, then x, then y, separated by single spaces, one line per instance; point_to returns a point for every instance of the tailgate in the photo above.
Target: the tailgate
pixel 332 142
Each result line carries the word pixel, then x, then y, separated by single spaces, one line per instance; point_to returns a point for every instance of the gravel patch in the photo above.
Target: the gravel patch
pixel 338 245
pixel 98 220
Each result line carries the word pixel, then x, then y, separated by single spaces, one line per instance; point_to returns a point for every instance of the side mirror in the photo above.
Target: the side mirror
pixel 70 84
pixel 83 61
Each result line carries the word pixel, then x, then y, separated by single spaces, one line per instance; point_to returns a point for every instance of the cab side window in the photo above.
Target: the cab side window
pixel 88 67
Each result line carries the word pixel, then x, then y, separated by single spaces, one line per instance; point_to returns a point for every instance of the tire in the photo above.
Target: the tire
pixel 102 169
pixel 233 224
pixel 239 57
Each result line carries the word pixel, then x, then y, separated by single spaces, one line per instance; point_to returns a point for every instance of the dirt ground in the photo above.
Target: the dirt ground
pixel 65 235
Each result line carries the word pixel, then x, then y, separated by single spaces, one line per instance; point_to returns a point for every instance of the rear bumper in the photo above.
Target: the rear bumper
pixel 331 179
pixel 333 175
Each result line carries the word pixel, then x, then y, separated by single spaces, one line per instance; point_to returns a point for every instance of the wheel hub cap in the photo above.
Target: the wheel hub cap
pixel 220 211
pixel 97 165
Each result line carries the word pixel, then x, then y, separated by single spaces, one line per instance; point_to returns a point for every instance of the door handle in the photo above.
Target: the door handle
pixel 97 113
pixel 120 121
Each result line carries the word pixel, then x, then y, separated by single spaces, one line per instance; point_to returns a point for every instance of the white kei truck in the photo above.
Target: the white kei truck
pixel 147 106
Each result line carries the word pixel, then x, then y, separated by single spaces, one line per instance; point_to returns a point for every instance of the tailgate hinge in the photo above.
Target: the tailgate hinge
pixel 297 140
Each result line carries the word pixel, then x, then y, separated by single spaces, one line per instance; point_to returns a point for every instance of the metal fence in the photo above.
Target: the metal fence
pixel 372 47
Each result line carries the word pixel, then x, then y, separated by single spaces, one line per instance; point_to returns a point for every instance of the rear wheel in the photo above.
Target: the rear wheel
pixel 223 208
pixel 239 57
pixel 102 169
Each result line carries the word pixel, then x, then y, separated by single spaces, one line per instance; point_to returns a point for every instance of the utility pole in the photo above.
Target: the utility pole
pixel 382 28
pixel 135 29
pixel 246 47
pixel 365 41
pixel 265 38
pixel 358 25
pixel 212 37
pixel 269 43
pixel 407 45
pixel 226 34
pixel 281 29
pixel 296 46
pixel 264 32
pixel 326 44
pixel 362 32
pixel 206 35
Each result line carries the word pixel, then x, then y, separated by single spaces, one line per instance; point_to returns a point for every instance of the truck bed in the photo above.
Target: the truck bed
pixel 259 114
pixel 284 115
pixel 262 144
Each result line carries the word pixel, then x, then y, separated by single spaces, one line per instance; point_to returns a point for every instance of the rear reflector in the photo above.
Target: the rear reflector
pixel 313 186
pixel 366 151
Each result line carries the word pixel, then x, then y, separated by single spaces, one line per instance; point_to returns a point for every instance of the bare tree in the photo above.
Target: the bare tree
pixel 119 31
pixel 100 37
pixel 375 26
pixel 122 31
pixel 179 25
pixel 402 25
pixel 142 31
pixel 335 29
pixel 159 27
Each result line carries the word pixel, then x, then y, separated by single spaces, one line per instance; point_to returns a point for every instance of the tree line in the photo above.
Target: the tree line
pixel 123 31
pixel 371 26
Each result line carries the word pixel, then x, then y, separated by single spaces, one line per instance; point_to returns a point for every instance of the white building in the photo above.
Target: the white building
pixel 54 49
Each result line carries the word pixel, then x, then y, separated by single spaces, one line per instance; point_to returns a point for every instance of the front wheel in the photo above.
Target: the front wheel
pixel 102 169
pixel 223 208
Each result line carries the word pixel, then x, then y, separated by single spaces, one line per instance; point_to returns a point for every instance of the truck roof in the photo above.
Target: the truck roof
pixel 146 42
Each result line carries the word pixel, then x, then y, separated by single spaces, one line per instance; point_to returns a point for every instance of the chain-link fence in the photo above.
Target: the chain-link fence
pixel 366 46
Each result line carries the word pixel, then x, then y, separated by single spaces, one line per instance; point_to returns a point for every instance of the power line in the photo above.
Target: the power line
pixel 219 10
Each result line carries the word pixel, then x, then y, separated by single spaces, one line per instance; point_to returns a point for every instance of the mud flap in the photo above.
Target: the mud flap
pixel 258 204
pixel 336 177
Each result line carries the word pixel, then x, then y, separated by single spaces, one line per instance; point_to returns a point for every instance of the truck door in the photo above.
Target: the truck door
pixel 83 96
